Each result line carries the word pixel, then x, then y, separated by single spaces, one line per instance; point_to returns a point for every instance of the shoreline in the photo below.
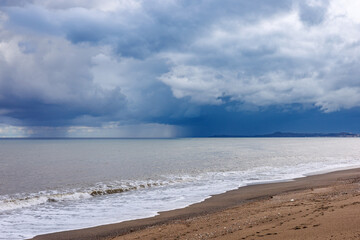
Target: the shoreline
pixel 213 205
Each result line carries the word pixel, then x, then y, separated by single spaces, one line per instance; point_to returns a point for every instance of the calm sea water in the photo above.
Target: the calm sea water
pixel 56 185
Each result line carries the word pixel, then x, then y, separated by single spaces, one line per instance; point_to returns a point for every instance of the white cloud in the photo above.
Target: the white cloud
pixel 116 130
pixel 110 130
pixel 7 131
pixel 277 60
pixel 347 10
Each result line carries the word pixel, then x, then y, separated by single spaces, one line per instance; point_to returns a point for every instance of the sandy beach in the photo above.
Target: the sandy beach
pixel 325 206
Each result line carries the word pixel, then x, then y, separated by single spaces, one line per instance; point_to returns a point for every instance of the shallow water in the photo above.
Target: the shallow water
pixel 55 185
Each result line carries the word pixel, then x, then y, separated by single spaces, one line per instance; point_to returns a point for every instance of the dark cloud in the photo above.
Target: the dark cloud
pixel 35 112
pixel 147 29
pixel 4 3
pixel 313 14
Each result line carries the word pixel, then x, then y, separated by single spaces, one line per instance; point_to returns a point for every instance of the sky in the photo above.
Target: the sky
pixel 178 68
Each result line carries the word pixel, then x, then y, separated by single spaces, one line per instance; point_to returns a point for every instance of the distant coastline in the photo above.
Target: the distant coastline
pixel 268 135
pixel 290 134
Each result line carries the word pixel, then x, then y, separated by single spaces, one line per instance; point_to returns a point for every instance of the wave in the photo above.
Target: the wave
pixel 231 178
pixel 17 201
pixel 127 188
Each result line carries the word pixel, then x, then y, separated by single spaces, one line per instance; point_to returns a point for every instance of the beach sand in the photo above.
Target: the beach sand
pixel 325 206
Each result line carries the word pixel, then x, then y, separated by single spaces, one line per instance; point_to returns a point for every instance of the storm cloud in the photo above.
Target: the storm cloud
pixel 177 64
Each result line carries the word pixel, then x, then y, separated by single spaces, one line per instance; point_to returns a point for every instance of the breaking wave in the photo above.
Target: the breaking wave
pixel 45 197
pixel 234 178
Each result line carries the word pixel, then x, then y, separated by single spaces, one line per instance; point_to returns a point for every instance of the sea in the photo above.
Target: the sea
pixel 51 185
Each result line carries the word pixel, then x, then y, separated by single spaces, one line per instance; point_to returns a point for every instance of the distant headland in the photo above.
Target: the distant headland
pixel 291 134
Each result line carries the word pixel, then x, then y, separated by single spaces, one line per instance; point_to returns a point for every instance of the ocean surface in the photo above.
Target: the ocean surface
pixel 56 185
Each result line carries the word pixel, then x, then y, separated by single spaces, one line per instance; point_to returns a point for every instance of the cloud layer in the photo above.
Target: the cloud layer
pixel 88 63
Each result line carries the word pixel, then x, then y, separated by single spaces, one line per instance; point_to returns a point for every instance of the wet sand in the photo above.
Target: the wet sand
pixel 325 206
